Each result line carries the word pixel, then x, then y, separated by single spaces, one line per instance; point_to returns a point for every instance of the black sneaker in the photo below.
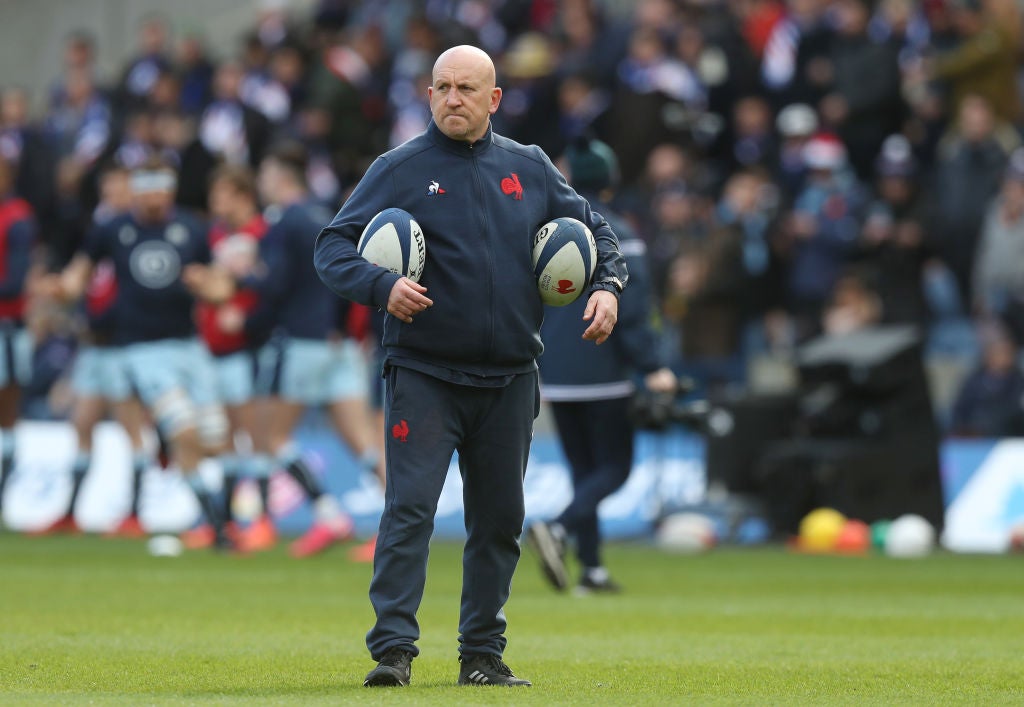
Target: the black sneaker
pixel 488 669
pixel 551 550
pixel 590 584
pixel 393 670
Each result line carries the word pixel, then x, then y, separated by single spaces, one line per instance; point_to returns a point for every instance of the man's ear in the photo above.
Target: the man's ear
pixel 495 100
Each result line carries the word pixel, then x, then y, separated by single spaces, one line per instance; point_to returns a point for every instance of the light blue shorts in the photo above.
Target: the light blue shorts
pixel 99 372
pixel 236 377
pixel 314 372
pixel 158 367
pixel 16 347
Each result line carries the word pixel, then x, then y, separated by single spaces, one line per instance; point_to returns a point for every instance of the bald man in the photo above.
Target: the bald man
pixel 460 353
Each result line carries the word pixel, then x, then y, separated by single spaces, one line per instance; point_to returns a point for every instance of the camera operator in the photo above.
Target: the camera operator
pixel 590 389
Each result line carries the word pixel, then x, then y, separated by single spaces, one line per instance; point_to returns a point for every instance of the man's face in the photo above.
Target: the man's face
pixel 268 180
pixel 463 95
pixel 154 206
pixel 221 198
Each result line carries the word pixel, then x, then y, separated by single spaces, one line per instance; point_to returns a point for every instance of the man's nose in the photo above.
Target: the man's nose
pixel 453 98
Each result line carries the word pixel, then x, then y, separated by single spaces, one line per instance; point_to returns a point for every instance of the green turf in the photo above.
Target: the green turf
pixel 87 620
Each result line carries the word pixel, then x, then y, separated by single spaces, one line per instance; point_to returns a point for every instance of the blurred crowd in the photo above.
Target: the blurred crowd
pixel 796 168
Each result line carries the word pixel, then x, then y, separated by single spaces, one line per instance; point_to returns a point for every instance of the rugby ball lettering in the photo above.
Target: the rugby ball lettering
pixel 393 240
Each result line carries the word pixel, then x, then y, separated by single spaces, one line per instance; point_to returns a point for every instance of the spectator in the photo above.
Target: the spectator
pixel 667 165
pixel 892 237
pixel 999 266
pixel 530 94
pixel 854 305
pixel 648 82
pixel 794 66
pixel 796 124
pixel 753 140
pixel 710 43
pixel 410 72
pixel 228 128
pixel 679 226
pixel 583 106
pixel 820 233
pixel 863 103
pixel 704 300
pixel 970 165
pixel 990 401
pixel 77 133
pixel 984 63
pixel 137 139
pixel 79 55
pixel 748 209
pixel 79 128
pixel 196 71
pixel 143 71
pixel 592 41
pixel 349 83
pixel 176 142
pixel 24 145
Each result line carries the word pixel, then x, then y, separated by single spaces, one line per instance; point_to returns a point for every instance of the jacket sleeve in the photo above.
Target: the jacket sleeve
pixel 611 271
pixel 971 55
pixel 337 261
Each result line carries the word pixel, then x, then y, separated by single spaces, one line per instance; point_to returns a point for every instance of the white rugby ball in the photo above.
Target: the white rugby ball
pixel 685 533
pixel 909 535
pixel 393 240
pixel 165 546
pixel 564 259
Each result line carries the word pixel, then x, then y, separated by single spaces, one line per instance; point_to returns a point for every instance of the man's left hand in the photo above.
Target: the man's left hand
pixel 602 312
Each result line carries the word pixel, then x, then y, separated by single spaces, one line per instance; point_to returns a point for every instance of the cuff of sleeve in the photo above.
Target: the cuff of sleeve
pixel 382 288
pixel 613 285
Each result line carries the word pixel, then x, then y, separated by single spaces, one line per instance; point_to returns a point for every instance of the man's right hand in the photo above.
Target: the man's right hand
pixel 407 300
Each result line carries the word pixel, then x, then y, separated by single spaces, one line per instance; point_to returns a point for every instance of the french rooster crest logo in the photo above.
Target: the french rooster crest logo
pixel 401 431
pixel 512 187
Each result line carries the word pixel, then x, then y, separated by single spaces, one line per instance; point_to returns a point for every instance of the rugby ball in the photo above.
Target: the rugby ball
pixel 564 259
pixel 909 535
pixel 393 240
pixel 685 533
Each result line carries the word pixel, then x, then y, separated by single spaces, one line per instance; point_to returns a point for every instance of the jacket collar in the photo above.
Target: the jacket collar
pixel 459 147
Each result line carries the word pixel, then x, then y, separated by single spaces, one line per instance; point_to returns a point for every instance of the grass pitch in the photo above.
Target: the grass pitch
pixel 88 620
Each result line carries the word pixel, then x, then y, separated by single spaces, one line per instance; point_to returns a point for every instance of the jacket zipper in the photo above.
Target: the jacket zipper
pixel 482 213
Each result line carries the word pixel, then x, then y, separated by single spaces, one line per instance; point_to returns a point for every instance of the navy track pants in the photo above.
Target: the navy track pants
pixel 597 439
pixel 491 428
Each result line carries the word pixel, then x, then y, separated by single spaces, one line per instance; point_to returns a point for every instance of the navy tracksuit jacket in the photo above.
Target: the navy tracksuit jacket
pixel 462 376
pixel 478 225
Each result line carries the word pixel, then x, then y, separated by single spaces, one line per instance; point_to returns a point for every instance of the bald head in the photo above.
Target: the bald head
pixel 463 95
pixel 469 57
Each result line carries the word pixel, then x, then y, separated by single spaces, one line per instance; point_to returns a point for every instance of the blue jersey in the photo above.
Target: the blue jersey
pixel 152 302
pixel 292 298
